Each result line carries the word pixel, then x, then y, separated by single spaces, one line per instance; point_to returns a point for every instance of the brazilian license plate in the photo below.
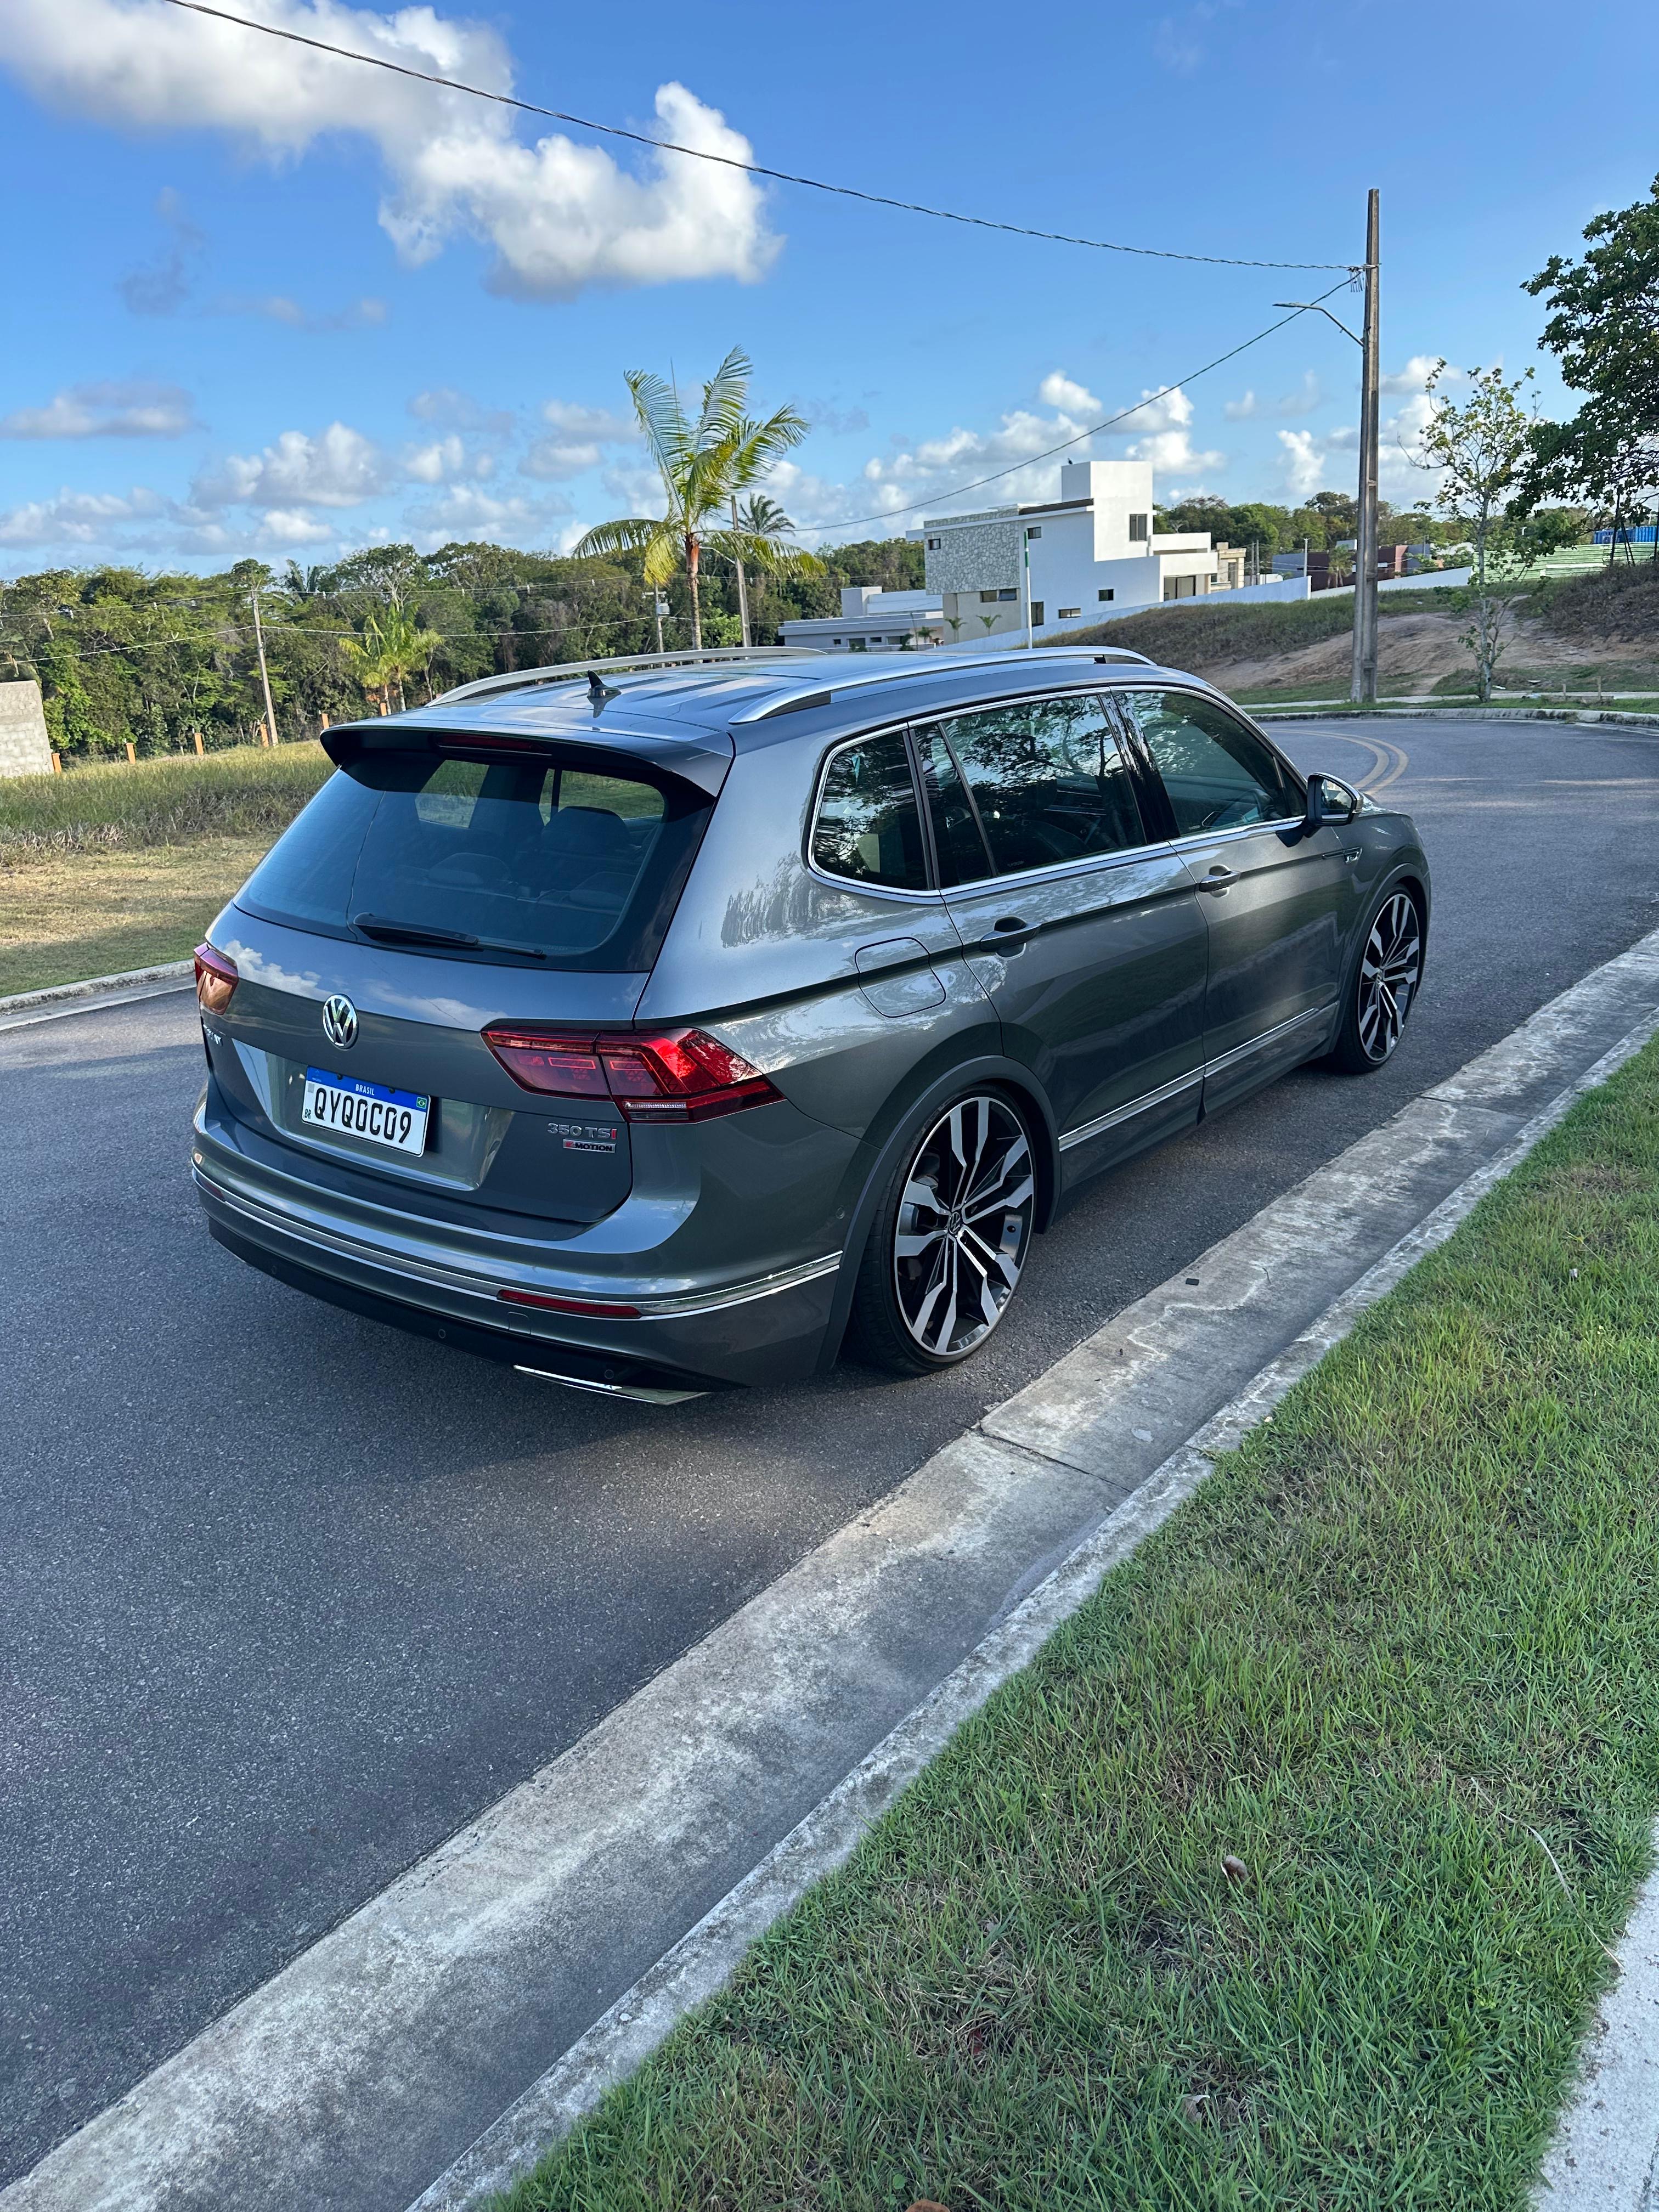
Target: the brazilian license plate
pixel 346 1106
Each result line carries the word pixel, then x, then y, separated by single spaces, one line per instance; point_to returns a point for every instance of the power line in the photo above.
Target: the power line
pixel 749 169
pixel 937 498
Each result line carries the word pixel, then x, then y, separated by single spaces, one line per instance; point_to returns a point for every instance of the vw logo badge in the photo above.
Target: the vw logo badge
pixel 339 1021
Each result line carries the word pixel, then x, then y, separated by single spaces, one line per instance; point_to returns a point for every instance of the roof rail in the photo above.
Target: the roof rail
pixel 935 663
pixel 562 670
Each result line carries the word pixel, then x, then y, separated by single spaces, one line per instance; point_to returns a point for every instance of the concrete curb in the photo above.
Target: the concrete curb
pixel 25 1006
pixel 1380 714
pixel 1605 2148
pixel 700 1965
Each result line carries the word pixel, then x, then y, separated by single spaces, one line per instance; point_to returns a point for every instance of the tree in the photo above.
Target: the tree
pixel 703 465
pixel 1478 450
pixel 391 647
pixel 1604 328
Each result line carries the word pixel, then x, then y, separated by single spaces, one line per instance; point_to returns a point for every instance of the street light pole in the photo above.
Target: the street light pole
pixel 264 678
pixel 1362 689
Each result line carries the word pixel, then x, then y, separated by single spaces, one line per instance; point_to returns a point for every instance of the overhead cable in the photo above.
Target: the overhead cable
pixel 1029 460
pixel 729 162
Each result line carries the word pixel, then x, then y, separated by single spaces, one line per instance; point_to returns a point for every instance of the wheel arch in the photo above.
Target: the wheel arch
pixel 900 1122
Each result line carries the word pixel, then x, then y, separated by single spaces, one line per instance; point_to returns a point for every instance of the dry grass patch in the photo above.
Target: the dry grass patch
pixel 68 916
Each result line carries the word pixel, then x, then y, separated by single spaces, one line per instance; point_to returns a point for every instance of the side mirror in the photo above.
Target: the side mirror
pixel 1330 800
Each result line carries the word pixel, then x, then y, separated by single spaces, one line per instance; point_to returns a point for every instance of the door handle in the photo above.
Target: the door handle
pixel 1008 935
pixel 1219 879
pixel 1351 852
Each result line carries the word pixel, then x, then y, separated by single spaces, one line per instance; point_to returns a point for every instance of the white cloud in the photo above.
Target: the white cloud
pixel 77 518
pixel 339 467
pixel 1415 374
pixel 556 458
pixel 445 457
pixel 582 436
pixel 467 511
pixel 1057 390
pixel 366 313
pixel 1242 410
pixel 130 409
pixel 1309 458
pixel 445 406
pixel 579 422
pixel 558 215
pixel 281 528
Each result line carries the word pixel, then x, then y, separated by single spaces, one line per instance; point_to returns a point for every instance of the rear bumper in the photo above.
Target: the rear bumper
pixel 768 1329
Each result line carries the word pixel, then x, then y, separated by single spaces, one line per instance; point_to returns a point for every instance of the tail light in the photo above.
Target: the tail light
pixel 678 1075
pixel 216 978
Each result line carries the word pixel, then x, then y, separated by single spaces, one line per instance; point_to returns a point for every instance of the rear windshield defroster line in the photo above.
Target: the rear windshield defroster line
pixel 575 859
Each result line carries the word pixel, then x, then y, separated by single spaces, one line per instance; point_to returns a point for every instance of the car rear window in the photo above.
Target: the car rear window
pixel 572 861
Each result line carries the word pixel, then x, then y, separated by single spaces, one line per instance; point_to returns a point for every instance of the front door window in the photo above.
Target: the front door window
pixel 1218 774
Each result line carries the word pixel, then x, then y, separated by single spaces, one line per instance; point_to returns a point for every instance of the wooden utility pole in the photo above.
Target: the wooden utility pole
pixel 743 584
pixel 1363 690
pixel 259 640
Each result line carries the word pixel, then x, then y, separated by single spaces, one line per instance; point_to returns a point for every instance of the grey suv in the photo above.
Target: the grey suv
pixel 653 1026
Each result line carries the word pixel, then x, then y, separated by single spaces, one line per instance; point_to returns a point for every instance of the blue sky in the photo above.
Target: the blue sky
pixel 262 301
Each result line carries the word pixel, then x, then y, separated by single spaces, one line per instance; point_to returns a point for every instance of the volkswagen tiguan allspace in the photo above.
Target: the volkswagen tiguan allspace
pixel 651 1026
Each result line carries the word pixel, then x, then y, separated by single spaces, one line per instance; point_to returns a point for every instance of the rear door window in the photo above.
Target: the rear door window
pixel 568 862
pixel 1048 781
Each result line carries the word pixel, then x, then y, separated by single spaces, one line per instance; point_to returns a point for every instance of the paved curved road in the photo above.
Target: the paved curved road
pixel 286 1597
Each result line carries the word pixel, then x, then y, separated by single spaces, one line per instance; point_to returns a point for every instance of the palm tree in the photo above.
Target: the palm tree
pixel 703 465
pixel 391 647
pixel 761 517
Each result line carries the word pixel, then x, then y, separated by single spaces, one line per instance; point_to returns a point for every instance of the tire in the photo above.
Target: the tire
pixel 933 1284
pixel 1383 986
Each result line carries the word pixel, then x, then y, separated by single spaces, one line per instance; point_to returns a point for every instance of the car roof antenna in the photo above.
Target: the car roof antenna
pixel 599 690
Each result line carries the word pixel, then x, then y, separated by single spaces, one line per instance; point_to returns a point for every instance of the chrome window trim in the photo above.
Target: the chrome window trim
pixel 1201 1073
pixel 1235 830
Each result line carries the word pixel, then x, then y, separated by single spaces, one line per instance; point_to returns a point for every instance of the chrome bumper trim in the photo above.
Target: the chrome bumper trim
pixel 676 1306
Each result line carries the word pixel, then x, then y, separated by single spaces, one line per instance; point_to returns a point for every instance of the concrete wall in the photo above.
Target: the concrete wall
pixel 24 750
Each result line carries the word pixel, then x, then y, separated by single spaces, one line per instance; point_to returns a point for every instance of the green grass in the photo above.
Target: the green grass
pixel 171 801
pixel 1411 1620
pixel 1207 634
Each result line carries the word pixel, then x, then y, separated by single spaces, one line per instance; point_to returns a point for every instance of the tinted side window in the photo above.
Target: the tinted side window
pixel 1218 774
pixel 868 828
pixel 963 858
pixel 1048 781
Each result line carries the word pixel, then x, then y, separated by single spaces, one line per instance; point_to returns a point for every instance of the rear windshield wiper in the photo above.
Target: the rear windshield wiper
pixel 416 932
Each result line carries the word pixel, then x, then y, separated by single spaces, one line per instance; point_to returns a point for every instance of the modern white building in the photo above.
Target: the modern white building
pixel 870 620
pixel 1092 555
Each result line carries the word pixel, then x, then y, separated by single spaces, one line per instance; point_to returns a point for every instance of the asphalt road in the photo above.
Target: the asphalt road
pixel 286 1597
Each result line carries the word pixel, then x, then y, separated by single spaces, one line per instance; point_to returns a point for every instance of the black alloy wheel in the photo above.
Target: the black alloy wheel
pixel 948 1245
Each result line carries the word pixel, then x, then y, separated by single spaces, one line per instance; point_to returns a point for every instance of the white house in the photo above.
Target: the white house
pixel 870 620
pixel 1093 554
